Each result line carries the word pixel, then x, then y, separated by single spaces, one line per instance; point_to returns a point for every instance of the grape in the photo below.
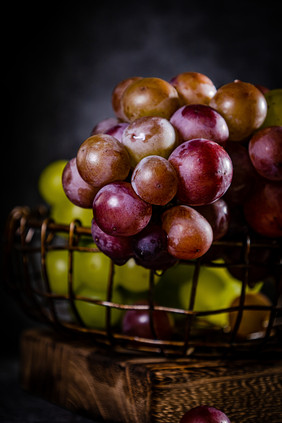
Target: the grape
pixel 243 107
pixel 189 233
pixel 119 211
pixel 102 159
pixel 149 97
pixel 155 180
pixel 274 108
pixel 137 323
pixel 193 88
pixel 204 171
pixel 218 216
pixel 117 130
pixel 151 135
pixel 200 121
pixel 119 249
pixel 118 93
pixel 162 262
pixel 94 315
pixel 244 174
pixel 150 243
pixel 50 182
pixel 204 414
pixel 133 277
pixel 254 320
pixel 262 209
pixel 76 189
pixel 265 150
pixel 104 125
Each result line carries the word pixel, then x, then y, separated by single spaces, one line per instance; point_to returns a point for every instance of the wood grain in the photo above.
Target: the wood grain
pixel 138 388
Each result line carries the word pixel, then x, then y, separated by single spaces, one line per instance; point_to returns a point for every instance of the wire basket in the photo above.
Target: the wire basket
pixel 30 237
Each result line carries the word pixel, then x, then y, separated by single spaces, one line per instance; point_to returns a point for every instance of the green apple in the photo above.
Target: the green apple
pixel 133 277
pixel 253 321
pixel 94 315
pixel 50 182
pixel 90 269
pixel 65 212
pixel 57 271
pixel 93 269
pixel 216 289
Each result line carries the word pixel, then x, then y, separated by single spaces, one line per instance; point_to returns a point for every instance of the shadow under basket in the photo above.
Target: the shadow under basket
pixel 113 377
pixel 31 235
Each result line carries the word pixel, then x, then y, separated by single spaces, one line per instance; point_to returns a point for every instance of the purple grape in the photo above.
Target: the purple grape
pixel 150 248
pixel 204 414
pixel 218 216
pixel 137 323
pixel 119 249
pixel 119 211
pixel 117 130
pixel 105 124
pixel 200 121
pixel 76 189
pixel 204 170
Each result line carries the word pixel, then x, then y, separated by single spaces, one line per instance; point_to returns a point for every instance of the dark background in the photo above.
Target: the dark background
pixel 61 63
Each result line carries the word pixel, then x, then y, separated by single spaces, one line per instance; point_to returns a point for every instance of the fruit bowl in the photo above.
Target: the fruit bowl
pixel 32 237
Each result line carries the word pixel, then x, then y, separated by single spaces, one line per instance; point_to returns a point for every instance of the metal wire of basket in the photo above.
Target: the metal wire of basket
pixel 32 234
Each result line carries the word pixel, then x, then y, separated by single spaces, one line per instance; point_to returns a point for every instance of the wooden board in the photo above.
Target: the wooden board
pixel 138 388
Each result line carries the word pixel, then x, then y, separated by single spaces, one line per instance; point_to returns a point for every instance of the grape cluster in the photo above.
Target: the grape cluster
pixel 162 174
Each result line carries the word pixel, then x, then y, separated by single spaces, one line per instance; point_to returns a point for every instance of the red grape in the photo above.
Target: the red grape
pixel 265 150
pixel 189 234
pixel 117 130
pixel 149 97
pixel 193 88
pixel 243 107
pixel 119 211
pixel 200 121
pixel 137 323
pixel 263 211
pixel 218 216
pixel 147 136
pixel 204 171
pixel 204 414
pixel 105 124
pixel 76 189
pixel 155 180
pixel 118 248
pixel 102 159
pixel 244 174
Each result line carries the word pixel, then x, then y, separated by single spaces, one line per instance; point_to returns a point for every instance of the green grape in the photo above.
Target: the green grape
pixel 274 108
pixel 94 315
pixel 50 182
pixel 133 277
